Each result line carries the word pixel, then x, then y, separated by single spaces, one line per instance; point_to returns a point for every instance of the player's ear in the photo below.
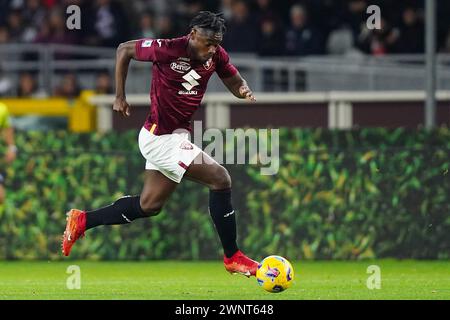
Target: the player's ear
pixel 193 33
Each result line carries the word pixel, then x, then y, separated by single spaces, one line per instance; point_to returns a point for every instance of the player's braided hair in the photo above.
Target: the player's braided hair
pixel 210 21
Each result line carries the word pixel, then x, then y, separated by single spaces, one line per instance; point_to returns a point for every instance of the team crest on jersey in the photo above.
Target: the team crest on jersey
pixel 208 64
pixel 146 43
pixel 186 146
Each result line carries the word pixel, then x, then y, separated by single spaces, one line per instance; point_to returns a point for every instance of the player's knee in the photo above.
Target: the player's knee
pixel 222 179
pixel 150 206
pixel 151 211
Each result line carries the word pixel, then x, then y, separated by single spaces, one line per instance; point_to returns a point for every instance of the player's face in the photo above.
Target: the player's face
pixel 204 44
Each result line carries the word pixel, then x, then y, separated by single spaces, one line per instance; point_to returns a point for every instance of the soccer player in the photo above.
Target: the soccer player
pixel 11 149
pixel 181 70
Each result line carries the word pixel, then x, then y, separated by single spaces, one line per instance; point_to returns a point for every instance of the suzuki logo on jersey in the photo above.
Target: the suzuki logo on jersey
pixel 180 67
pixel 191 77
pixel 188 92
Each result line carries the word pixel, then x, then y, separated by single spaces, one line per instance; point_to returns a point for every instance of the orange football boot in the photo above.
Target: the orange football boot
pixel 75 228
pixel 240 263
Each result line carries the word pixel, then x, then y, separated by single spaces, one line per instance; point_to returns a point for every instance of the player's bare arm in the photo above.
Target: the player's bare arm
pixel 125 52
pixel 239 87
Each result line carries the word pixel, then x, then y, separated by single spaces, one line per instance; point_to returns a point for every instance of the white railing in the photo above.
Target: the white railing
pixel 340 104
pixel 278 74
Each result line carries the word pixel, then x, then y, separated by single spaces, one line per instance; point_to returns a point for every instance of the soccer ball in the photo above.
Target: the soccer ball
pixel 275 274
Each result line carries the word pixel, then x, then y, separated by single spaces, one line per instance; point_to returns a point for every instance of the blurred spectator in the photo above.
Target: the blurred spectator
pixel 355 17
pixel 15 26
pixel 4 39
pixel 443 23
pixel 44 33
pixel 411 33
pixel 69 87
pixel 264 10
pixel 378 41
pixel 106 23
pixel 185 11
pixel 165 27
pixel 340 41
pixel 270 43
pixel 4 10
pixel 103 83
pixel 4 34
pixel 5 84
pixel 146 26
pixel 34 15
pixel 28 87
pixel 66 3
pixel 318 22
pixel 242 30
pixel 54 29
pixel 302 38
pixel 225 8
pixel 34 12
pixel 50 3
pixel 209 5
pixel 328 15
pixel 446 45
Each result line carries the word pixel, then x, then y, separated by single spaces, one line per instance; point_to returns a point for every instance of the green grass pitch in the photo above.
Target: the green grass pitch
pixel 176 280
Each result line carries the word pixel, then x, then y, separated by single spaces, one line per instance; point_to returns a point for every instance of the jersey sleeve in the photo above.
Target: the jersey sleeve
pixel 224 67
pixel 151 49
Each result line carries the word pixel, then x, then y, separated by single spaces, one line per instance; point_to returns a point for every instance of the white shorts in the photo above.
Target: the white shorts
pixel 170 154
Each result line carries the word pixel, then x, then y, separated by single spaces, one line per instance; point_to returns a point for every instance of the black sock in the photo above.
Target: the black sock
pixel 223 216
pixel 124 210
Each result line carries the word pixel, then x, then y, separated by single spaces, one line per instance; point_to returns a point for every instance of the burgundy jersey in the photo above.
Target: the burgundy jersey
pixel 178 83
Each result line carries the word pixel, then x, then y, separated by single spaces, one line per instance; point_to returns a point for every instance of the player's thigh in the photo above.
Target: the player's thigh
pixel 157 189
pixel 207 171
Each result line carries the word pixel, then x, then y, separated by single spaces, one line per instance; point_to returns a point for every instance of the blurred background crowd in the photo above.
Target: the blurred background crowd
pixel 266 27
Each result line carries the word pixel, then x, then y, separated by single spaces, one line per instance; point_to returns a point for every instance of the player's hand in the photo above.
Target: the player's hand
pixel 245 92
pixel 121 105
